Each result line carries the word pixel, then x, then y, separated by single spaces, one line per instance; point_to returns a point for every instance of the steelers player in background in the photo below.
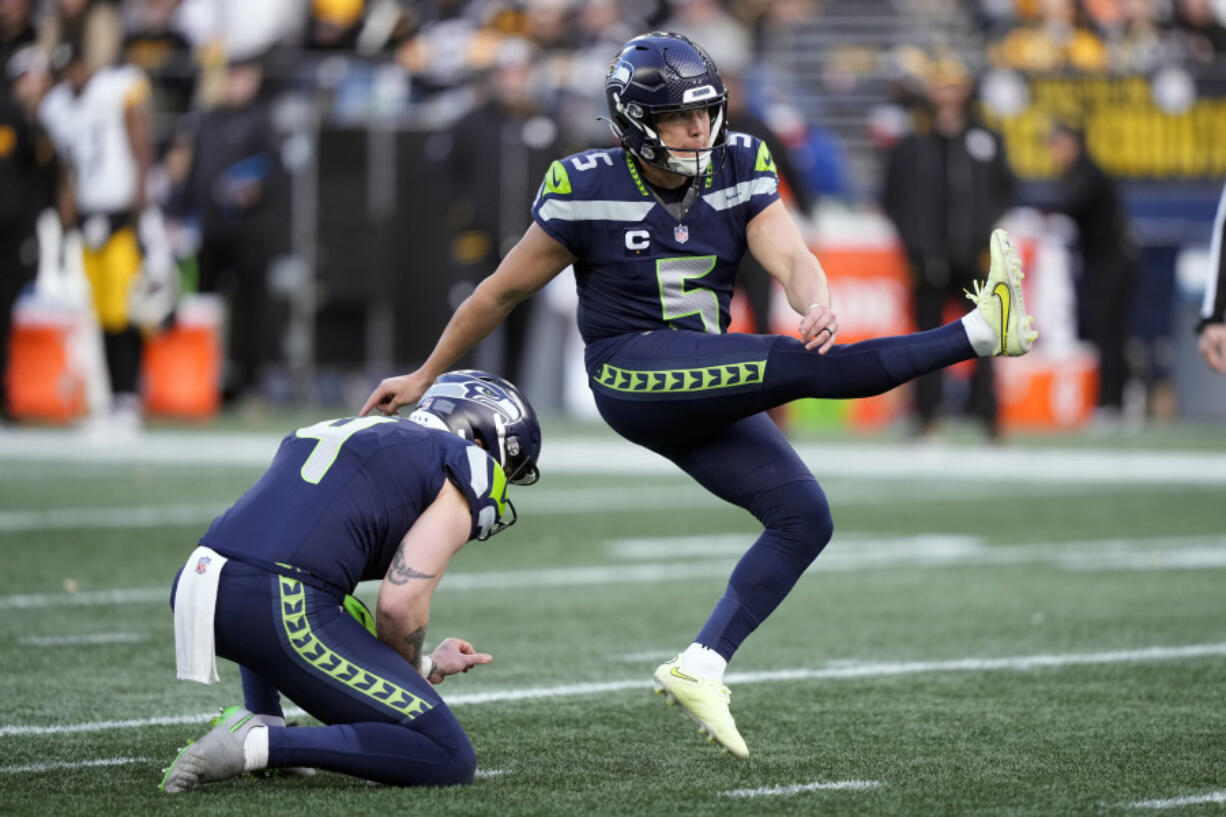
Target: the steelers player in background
pixel 100 120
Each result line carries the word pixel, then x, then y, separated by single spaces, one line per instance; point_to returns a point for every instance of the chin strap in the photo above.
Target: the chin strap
pixel 690 167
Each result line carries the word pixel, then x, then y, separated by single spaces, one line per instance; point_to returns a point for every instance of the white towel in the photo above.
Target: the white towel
pixel 195 602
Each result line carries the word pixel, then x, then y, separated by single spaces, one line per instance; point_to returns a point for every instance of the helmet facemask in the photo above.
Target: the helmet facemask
pixel 646 143
pixel 520 470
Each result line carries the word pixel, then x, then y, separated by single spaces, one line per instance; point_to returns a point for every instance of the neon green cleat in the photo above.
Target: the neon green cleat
pixel 216 756
pixel 1000 299
pixel 704 701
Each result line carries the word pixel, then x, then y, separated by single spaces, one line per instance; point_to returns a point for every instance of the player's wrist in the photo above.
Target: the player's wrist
pixel 428 666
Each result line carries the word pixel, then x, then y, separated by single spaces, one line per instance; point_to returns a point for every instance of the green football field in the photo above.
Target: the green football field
pixel 1037 629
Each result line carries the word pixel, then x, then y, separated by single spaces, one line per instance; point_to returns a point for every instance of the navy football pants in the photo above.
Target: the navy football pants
pixel 698 399
pixel 384 721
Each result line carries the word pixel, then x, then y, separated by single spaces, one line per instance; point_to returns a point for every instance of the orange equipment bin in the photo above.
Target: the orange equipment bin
pixel 182 366
pixel 871 289
pixel 1048 392
pixel 41 383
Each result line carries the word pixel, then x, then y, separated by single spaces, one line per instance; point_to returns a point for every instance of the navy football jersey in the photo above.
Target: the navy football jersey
pixel 340 495
pixel 638 267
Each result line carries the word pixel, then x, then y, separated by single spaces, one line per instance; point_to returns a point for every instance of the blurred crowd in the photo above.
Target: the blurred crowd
pixel 1097 36
pixel 405 59
pixel 197 131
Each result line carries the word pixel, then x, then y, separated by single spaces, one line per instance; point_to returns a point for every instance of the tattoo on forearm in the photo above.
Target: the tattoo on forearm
pixel 400 572
pixel 412 643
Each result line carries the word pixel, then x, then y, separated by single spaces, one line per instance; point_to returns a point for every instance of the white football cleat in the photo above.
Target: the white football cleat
pixel 999 301
pixel 706 703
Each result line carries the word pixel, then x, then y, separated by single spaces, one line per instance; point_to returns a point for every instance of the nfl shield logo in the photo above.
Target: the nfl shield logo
pixel 681 233
pixel 202 564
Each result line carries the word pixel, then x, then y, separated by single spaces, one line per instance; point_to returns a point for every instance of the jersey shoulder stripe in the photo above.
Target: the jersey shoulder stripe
pixel 741 192
pixel 751 173
pixel 137 90
pixel 111 88
pixel 595 185
pixel 594 210
pixel 482 482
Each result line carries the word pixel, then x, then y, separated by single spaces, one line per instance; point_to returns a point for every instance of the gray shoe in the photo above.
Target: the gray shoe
pixel 216 756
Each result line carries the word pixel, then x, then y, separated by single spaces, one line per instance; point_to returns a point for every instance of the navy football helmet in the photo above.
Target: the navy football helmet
pixel 658 73
pixel 483 407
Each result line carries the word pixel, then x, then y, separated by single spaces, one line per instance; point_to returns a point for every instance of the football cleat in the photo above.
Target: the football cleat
pixel 705 702
pixel 216 756
pixel 1000 302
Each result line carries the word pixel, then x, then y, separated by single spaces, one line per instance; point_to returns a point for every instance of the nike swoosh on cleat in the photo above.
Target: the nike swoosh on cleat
pixel 676 673
pixel 1002 293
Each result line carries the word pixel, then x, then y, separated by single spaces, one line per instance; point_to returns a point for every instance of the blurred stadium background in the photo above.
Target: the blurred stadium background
pixel 1028 629
pixel 395 147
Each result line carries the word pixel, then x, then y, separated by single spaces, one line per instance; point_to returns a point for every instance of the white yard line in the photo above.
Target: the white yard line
pixel 536 502
pixel 856 546
pixel 842 670
pixel 126 517
pixel 1193 800
pixel 606 455
pixel 128 595
pixel 848 552
pixel 488 772
pixel 859 551
pixel 75 764
pixel 134 517
pixel 797 788
pixel 84 639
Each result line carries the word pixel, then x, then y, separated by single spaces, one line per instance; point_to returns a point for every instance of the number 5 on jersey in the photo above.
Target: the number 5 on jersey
pixel 679 300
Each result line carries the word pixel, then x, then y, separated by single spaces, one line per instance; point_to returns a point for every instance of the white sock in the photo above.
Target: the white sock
pixel 255 749
pixel 703 662
pixel 980 333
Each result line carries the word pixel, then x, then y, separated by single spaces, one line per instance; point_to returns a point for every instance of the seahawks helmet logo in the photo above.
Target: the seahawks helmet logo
pixel 620 73
pixel 476 391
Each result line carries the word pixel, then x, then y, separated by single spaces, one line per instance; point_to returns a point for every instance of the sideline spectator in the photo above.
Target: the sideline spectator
pixel 234 185
pixel 1108 264
pixel 499 152
pixel 946 185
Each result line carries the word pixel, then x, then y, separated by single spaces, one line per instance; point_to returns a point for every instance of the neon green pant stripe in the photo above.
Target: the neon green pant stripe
pixel 323 659
pixel 675 381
